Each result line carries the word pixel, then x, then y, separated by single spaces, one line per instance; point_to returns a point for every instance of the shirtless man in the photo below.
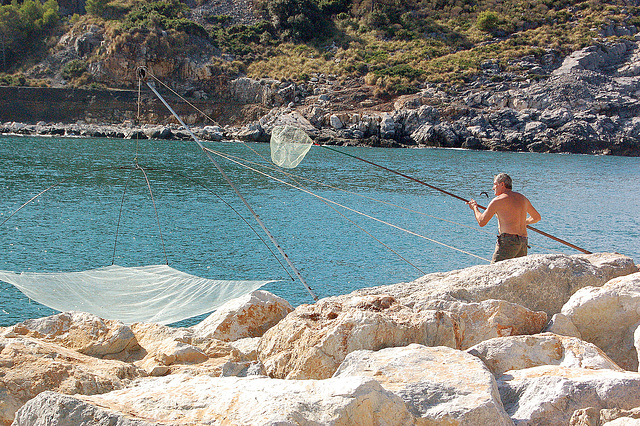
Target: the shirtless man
pixel 514 213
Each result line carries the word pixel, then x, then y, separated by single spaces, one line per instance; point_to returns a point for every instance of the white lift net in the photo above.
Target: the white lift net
pixel 289 145
pixel 156 293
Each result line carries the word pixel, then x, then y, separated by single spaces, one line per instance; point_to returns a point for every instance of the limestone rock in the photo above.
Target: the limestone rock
pixel 549 395
pixel 430 383
pixel 560 324
pixel 247 316
pixel 255 401
pixel 488 319
pixel 312 341
pixel 594 58
pixel 29 366
pixel 636 342
pixel 167 349
pixel 520 352
pixel 82 332
pixel 623 421
pixel 608 316
pixel 53 408
pixel 537 282
pixel 608 416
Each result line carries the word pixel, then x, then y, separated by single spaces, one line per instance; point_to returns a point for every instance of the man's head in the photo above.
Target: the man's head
pixel 499 180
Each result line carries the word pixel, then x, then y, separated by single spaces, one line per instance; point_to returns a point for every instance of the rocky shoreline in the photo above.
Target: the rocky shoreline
pixel 540 340
pixel 585 103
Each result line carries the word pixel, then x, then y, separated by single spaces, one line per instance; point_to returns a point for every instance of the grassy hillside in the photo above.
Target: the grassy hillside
pixel 393 45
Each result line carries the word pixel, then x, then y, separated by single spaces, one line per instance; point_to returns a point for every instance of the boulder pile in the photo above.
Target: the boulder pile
pixel 540 340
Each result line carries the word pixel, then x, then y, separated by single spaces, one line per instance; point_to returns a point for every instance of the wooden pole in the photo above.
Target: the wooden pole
pixel 452 195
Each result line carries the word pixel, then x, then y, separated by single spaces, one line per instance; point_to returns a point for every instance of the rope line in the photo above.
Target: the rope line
pixel 294 179
pixel 452 195
pixel 255 231
pixel 341 205
pixel 153 200
pixel 180 96
pixel 142 72
pixel 377 200
pixel 115 243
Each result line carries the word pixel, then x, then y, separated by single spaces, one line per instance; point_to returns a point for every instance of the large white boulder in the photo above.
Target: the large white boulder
pixel 82 332
pixel 430 382
pixel 519 352
pixel 488 319
pixel 246 316
pixel 183 399
pixel 605 417
pixel 538 282
pixel 29 366
pixel 312 341
pixel 608 316
pixel 549 395
pixel 636 340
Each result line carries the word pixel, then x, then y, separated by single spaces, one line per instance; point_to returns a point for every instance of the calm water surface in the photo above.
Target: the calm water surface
pixel 593 202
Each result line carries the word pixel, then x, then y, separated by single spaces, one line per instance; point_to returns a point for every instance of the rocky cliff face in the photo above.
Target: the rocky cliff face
pixel 584 103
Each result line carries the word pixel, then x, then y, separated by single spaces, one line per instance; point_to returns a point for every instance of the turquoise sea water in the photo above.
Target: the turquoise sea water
pixel 593 202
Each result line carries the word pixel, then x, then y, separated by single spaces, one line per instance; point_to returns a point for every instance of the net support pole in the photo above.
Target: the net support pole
pixel 233 186
pixel 566 243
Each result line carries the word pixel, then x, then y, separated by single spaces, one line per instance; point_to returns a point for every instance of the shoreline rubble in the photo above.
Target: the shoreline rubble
pixel 525 341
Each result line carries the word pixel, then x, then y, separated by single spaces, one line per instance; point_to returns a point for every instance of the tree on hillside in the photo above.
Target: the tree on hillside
pixel 96 7
pixel 298 19
pixel 24 25
pixel 9 29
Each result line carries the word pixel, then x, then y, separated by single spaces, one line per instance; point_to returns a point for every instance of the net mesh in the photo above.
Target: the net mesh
pixel 289 145
pixel 156 293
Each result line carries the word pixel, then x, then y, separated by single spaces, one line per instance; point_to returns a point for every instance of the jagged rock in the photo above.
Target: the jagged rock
pixel 537 282
pixel 520 352
pixel 312 341
pixel 288 118
pixel 251 133
pixel 81 332
pixel 247 316
pixel 636 343
pixel 183 399
pixel 387 126
pixel 430 383
pixel 549 395
pixel 488 319
pixel 608 316
pixel 335 122
pixel 245 349
pixel 607 416
pixel 53 408
pixel 247 90
pixel 560 324
pixel 165 346
pixel 29 366
pixel 595 58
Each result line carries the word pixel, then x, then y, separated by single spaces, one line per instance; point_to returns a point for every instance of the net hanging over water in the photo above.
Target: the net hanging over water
pixel 289 145
pixel 156 293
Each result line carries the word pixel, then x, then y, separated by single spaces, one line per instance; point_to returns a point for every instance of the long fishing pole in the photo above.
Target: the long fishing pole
pixel 142 74
pixel 450 194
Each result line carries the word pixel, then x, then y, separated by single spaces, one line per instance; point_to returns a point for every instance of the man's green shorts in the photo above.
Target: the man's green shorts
pixel 509 246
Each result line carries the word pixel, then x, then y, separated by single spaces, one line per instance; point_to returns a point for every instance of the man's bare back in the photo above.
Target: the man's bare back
pixel 513 209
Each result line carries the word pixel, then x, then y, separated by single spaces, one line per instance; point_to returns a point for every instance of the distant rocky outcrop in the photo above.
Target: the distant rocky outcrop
pixel 466 347
pixel 584 103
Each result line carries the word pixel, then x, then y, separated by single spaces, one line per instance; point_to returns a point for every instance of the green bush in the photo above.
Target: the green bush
pixel 298 19
pixel 487 21
pixel 96 7
pixel 74 69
